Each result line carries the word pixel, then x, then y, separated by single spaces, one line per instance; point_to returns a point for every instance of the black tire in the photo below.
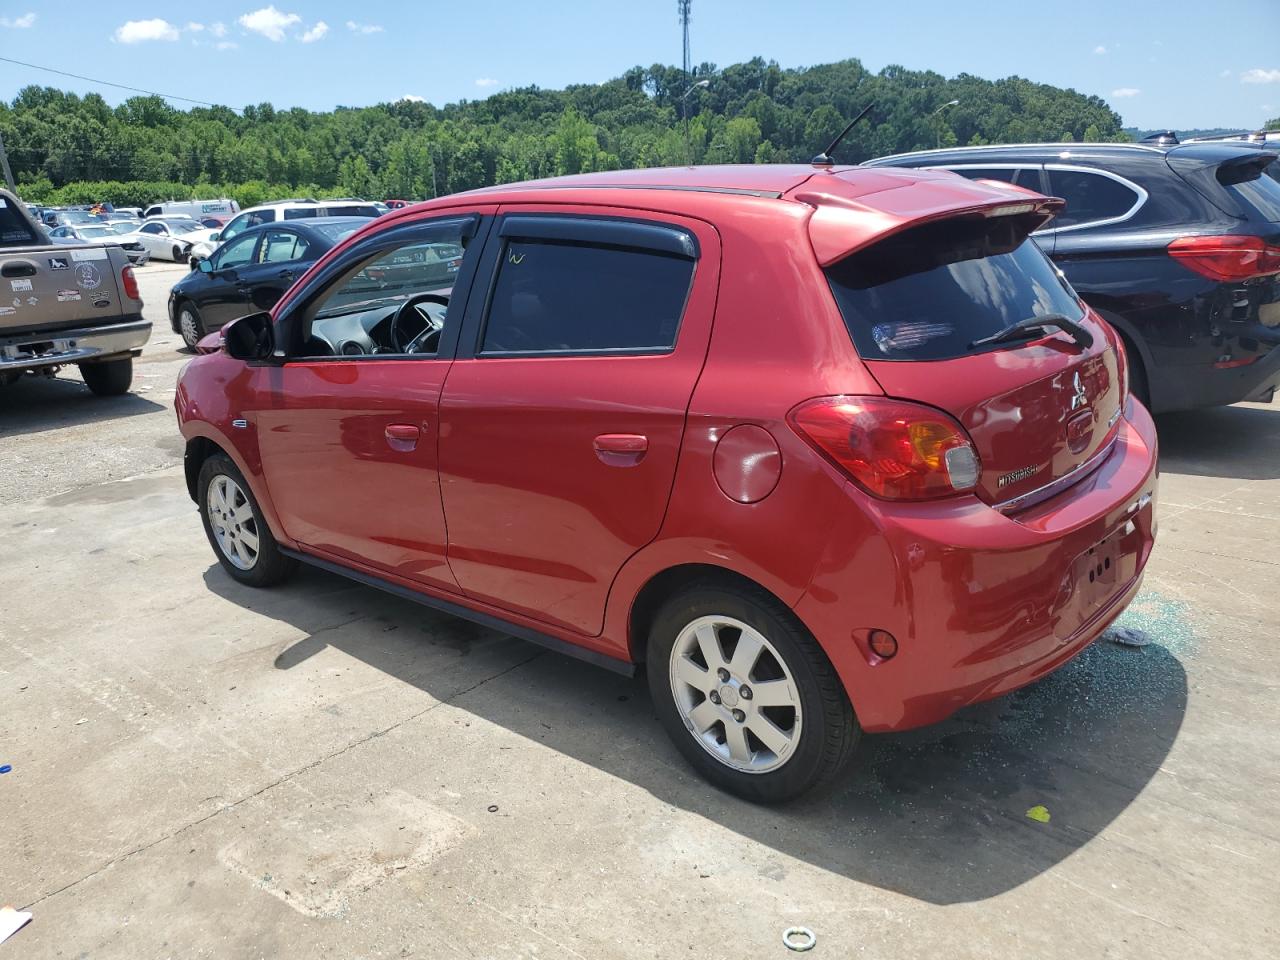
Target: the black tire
pixel 190 325
pixel 108 378
pixel 178 255
pixel 269 566
pixel 1138 385
pixel 830 729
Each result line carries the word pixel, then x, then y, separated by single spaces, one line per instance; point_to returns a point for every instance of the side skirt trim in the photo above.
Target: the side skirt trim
pixel 624 667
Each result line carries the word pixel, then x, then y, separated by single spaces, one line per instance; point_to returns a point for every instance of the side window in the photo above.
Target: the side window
pixel 392 301
pixel 1089 196
pixel 281 246
pixel 152 228
pixel 300 213
pixel 235 254
pixel 552 297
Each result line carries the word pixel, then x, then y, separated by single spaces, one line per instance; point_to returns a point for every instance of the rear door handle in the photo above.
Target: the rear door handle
pixel 285 274
pixel 621 449
pixel 402 437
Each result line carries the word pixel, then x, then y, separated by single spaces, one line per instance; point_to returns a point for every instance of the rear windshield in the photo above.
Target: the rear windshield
pixel 1262 193
pixel 352 210
pixel 929 292
pixel 15 229
pixel 333 232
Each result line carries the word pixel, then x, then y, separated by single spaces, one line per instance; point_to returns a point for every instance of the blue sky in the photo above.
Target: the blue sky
pixel 1160 63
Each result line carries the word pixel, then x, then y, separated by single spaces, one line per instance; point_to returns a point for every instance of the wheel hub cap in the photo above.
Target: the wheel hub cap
pixel 713 662
pixel 234 526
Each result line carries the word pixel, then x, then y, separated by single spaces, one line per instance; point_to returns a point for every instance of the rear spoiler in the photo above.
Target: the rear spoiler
pixel 1208 172
pixel 841 225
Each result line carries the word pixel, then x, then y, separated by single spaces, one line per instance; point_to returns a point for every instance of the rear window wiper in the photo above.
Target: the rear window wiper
pixel 1033 326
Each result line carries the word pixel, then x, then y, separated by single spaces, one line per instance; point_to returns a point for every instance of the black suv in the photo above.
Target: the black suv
pixel 1177 245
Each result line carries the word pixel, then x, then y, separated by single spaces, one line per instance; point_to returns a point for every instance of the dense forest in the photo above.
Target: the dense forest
pixel 70 149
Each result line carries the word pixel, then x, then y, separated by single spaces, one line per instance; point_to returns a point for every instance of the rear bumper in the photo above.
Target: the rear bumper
pixel 1189 388
pixel 981 603
pixel 34 350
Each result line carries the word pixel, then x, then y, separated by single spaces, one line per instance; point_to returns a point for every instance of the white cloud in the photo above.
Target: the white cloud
pixel 140 31
pixel 1258 75
pixel 1099 49
pixel 363 27
pixel 227 45
pixel 19 23
pixel 1125 92
pixel 194 27
pixel 316 32
pixel 486 82
pixel 413 98
pixel 269 22
pixel 218 29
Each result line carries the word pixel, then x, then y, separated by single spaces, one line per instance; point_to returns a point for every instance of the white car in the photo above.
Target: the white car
pixel 170 238
pixel 286 210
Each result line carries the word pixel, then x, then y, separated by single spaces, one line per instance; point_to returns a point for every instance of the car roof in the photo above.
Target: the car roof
pixel 851 206
pixel 1208 151
pixel 307 225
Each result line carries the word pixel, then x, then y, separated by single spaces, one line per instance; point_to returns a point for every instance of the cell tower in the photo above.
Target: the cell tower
pixel 684 6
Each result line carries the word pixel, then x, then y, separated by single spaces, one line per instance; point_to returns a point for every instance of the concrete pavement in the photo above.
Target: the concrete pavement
pixel 320 770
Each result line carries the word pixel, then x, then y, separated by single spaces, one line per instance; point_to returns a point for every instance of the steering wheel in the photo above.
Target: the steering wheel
pixel 413 311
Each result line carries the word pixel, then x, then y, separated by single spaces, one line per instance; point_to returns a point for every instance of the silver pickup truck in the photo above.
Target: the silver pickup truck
pixel 63 304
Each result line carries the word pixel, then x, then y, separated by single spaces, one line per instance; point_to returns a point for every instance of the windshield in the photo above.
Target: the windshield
pixel 394 276
pixel 929 292
pixel 122 226
pixel 335 232
pixel 96 232
pixel 1261 193
pixel 183 226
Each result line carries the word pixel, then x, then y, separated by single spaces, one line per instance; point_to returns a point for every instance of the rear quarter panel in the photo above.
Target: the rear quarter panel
pixel 777 340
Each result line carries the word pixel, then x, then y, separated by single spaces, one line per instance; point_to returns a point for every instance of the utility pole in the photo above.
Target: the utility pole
pixel 685 8
pixel 4 161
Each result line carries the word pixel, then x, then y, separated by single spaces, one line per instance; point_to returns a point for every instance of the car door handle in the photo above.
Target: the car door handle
pixel 285 274
pixel 621 449
pixel 402 437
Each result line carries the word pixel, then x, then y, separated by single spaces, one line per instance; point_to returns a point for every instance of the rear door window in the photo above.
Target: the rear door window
pixel 282 246
pixel 1090 197
pixel 301 213
pixel 929 292
pixel 556 297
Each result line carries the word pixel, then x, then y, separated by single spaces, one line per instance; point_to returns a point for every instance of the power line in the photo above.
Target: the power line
pixel 108 83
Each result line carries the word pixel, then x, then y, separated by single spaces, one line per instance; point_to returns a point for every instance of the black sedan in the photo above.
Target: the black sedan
pixel 251 272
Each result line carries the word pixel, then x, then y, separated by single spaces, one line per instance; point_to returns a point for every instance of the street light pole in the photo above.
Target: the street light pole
pixel 684 112
pixel 937 124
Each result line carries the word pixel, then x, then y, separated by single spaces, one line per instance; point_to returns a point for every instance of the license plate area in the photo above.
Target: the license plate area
pixel 1097 575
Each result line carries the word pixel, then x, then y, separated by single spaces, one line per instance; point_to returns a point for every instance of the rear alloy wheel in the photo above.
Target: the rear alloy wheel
pixel 189 325
pixel 108 378
pixel 233 523
pixel 747 694
pixel 177 254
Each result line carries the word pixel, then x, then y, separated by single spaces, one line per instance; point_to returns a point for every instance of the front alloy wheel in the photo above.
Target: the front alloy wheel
pixel 233 523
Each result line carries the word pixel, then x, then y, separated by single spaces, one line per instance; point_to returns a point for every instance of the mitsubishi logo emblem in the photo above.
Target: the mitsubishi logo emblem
pixel 1079 398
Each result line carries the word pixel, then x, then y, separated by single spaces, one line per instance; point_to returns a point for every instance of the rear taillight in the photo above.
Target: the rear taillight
pixel 1226 258
pixel 129 283
pixel 891 448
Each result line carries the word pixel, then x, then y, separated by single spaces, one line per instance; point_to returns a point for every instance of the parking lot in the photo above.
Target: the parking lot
pixel 204 770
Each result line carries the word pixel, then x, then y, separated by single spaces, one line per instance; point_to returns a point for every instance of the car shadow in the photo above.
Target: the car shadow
pixel 35 404
pixel 939 814
pixel 1237 442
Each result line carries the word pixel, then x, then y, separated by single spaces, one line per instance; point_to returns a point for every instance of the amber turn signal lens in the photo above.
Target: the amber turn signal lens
pixel 882 643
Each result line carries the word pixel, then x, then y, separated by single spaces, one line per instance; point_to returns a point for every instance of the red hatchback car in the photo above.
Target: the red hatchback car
pixel 829 449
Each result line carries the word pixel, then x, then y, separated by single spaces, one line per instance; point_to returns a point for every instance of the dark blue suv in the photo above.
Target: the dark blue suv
pixel 1177 245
